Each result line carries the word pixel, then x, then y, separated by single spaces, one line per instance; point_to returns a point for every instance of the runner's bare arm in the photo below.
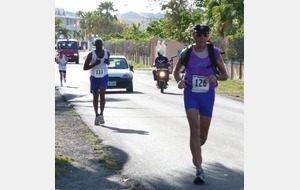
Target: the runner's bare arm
pixel 221 66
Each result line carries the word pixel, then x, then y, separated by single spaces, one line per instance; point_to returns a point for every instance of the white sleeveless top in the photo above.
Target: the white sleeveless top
pixel 62 63
pixel 100 70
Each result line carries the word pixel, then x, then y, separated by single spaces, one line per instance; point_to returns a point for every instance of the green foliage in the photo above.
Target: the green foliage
pixel 189 20
pixel 234 48
pixel 107 159
pixel 105 11
pixel 225 18
pixel 135 33
pixel 155 28
pixel 239 32
pixel 139 66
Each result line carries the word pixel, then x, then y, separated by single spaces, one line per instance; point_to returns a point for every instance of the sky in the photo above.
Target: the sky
pixel 122 6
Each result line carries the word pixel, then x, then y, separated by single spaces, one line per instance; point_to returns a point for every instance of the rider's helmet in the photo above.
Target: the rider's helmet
pixel 160 51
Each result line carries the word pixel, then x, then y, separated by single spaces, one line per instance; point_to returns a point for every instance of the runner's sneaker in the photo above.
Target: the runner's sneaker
pixel 199 176
pixel 61 84
pixel 97 121
pixel 101 119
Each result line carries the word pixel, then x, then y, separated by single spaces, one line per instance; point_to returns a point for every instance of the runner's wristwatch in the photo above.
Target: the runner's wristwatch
pixel 217 76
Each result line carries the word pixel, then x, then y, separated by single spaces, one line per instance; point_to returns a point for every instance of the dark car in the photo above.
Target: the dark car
pixel 120 73
pixel 70 49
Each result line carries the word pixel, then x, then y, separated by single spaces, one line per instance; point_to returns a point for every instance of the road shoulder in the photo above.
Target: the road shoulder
pixel 73 139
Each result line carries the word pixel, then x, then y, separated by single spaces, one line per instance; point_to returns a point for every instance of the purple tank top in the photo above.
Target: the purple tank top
pixel 200 66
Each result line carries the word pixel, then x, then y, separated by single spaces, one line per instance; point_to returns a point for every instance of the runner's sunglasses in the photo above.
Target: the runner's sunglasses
pixel 205 35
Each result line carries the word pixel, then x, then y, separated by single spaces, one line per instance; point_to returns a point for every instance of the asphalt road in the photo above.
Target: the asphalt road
pixel 152 130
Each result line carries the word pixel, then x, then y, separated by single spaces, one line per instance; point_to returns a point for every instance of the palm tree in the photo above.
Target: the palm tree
pixel 58 21
pixel 105 10
pixel 227 16
pixel 65 33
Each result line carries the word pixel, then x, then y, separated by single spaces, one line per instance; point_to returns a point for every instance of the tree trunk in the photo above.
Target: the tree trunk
pixel 241 70
pixel 232 70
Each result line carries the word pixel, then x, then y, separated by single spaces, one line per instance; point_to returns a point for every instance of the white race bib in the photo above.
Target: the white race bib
pixel 200 84
pixel 99 73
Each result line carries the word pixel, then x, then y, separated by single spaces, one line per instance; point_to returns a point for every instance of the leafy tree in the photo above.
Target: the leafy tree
pixel 66 33
pixel 101 21
pixel 155 28
pixel 58 28
pixel 172 19
pixel 180 16
pixel 105 11
pixel 87 20
pixel 134 33
pixel 224 16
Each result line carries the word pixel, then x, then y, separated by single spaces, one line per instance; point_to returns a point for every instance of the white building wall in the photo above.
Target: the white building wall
pixel 68 21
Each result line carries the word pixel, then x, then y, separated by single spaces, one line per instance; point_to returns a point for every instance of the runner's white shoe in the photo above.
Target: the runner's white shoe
pixel 101 119
pixel 199 176
pixel 97 121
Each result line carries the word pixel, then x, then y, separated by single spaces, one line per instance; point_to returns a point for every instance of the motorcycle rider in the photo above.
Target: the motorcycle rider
pixel 160 62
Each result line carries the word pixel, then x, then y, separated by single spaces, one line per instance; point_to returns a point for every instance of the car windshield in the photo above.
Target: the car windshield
pixel 118 63
pixel 67 45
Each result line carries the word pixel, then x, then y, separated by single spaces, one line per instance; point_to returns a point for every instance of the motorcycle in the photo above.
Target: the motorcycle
pixel 162 76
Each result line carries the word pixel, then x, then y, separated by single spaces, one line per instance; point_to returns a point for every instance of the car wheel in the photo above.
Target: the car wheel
pixel 130 89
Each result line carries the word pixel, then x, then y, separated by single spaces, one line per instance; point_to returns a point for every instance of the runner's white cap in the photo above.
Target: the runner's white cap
pixel 96 39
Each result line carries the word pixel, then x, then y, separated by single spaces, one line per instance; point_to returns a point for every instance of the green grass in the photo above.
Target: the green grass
pixel 108 160
pixel 61 164
pixel 139 65
pixel 232 88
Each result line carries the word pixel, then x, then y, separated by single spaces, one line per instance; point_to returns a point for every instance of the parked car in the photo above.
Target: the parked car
pixel 120 73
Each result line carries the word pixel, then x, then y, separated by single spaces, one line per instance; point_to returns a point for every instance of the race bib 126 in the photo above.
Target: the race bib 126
pixel 200 84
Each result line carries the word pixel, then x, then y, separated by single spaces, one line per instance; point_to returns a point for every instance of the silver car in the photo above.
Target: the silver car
pixel 120 73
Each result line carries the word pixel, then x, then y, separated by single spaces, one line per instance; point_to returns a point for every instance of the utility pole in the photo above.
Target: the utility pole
pixel 87 45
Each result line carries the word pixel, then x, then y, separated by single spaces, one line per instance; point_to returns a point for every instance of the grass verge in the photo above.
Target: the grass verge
pixel 78 132
pixel 61 164
pixel 232 88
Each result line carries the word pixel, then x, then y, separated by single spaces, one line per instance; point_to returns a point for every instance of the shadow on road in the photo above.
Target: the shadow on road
pixel 218 177
pixel 119 130
pixel 110 91
pixel 170 93
pixel 79 178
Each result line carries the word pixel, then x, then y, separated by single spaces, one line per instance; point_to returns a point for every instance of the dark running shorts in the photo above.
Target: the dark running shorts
pixel 204 102
pixel 96 83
